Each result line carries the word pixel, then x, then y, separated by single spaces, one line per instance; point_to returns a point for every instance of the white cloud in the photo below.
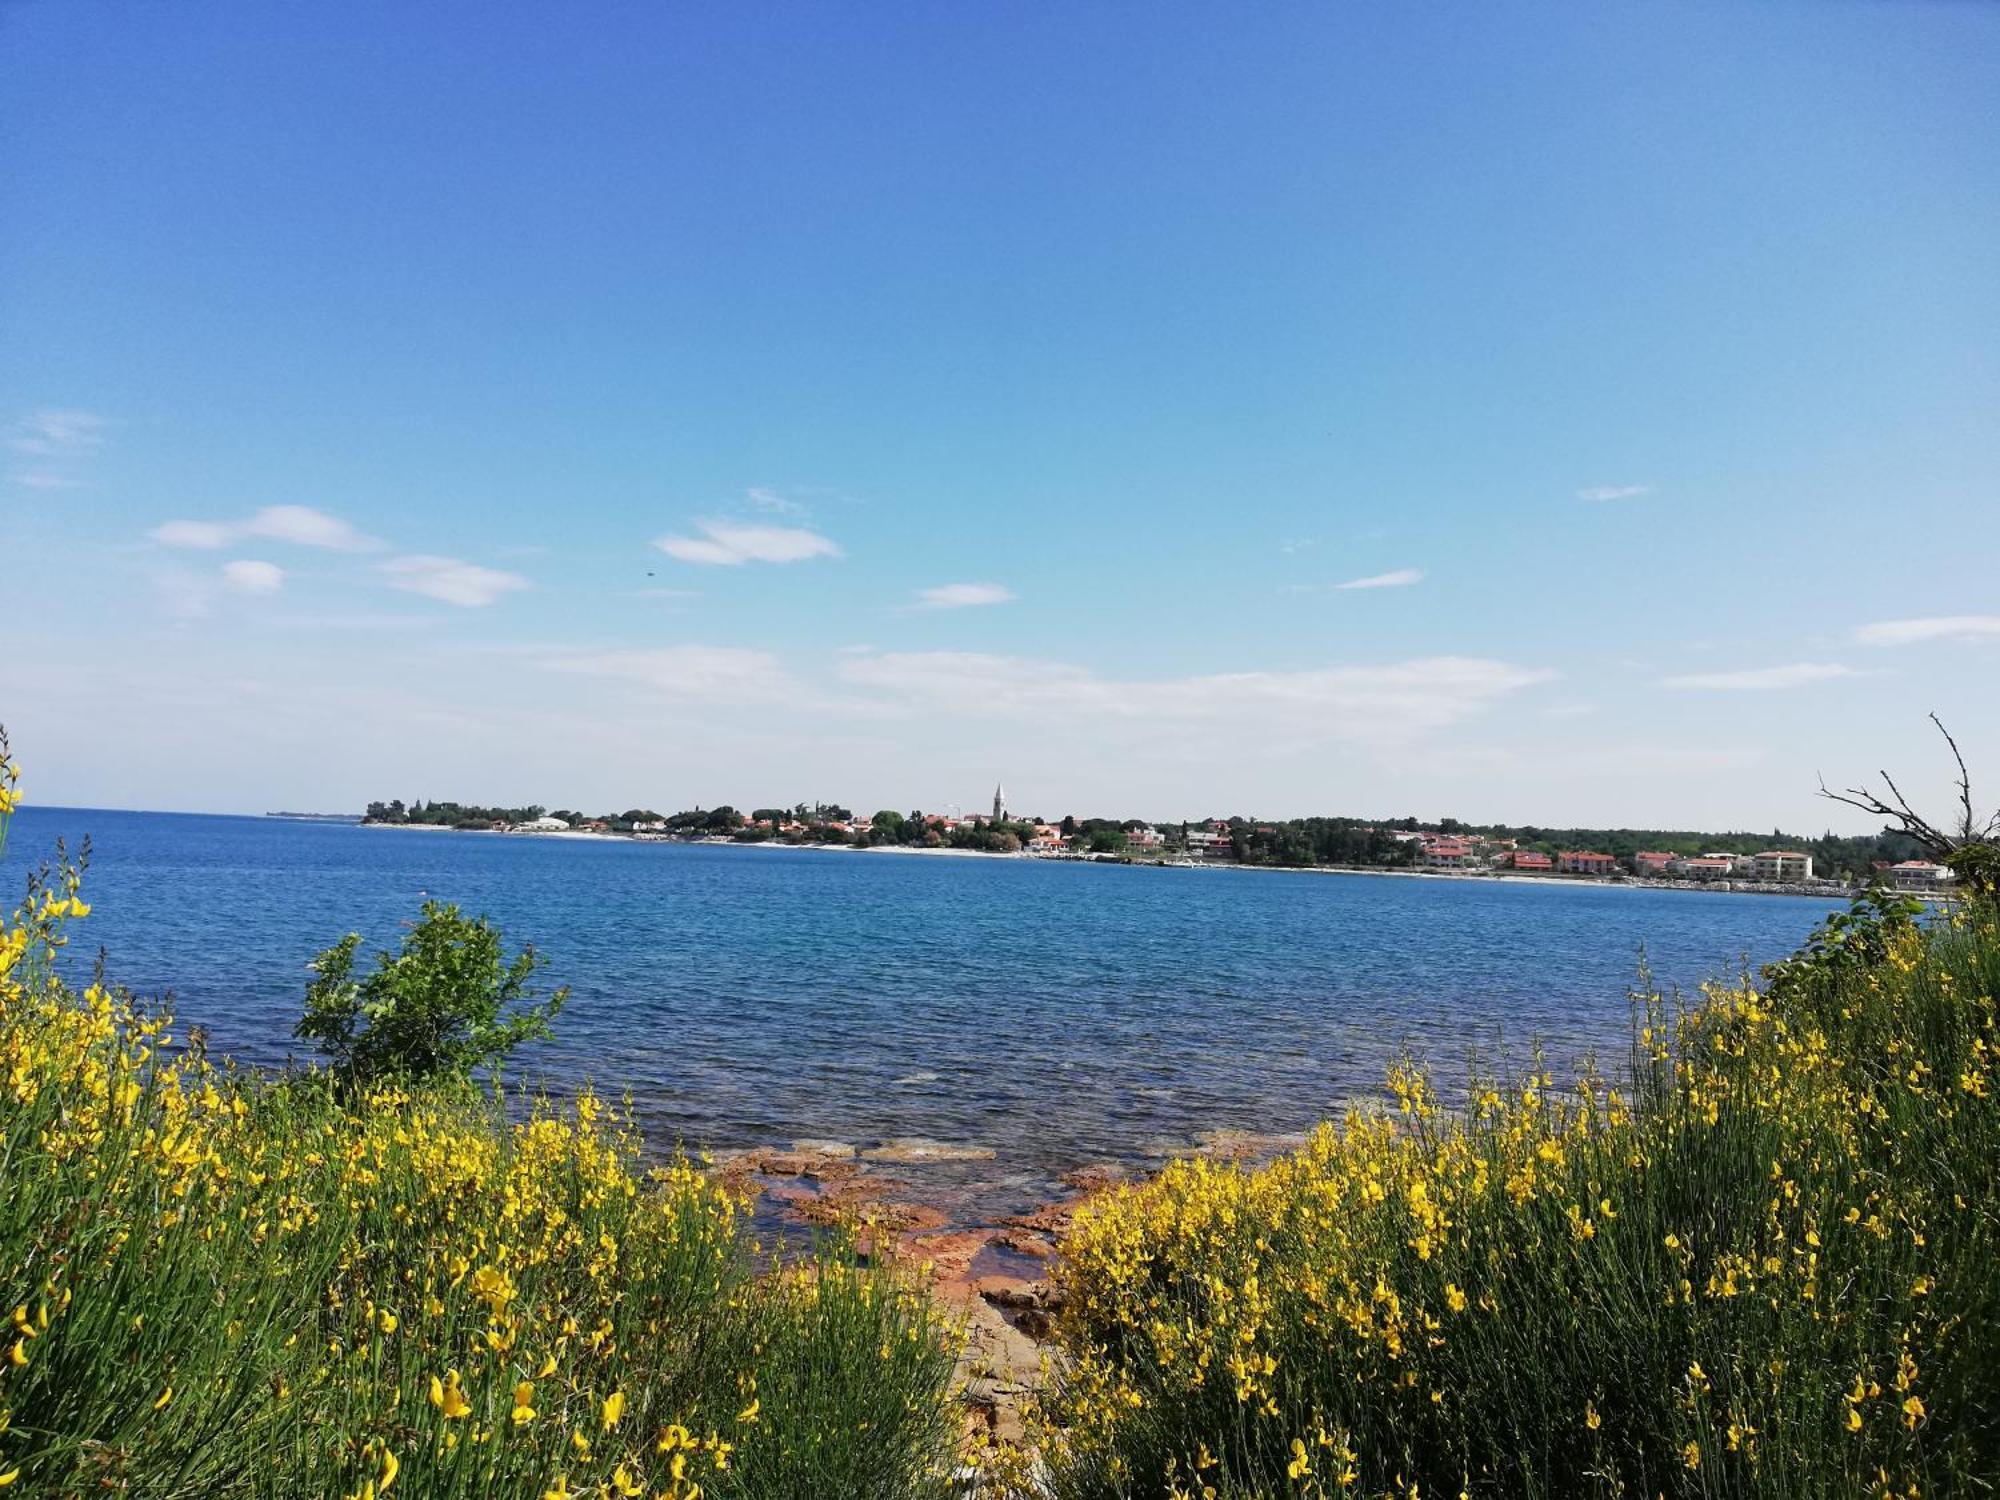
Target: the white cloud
pixel 1757 679
pixel 1368 704
pixel 1599 492
pixel 307 527
pixel 1401 578
pixel 365 620
pixel 705 672
pixel 59 442
pixel 1934 628
pixel 964 595
pixel 300 525
pixel 450 580
pixel 773 503
pixel 51 433
pixel 249 576
pixel 728 544
pixel 202 535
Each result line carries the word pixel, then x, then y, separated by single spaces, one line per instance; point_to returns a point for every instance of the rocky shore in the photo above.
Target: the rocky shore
pixel 991 1269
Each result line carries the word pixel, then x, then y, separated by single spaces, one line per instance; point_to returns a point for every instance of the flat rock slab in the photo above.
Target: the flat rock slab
pixel 828 1150
pixel 767 1162
pixel 916 1150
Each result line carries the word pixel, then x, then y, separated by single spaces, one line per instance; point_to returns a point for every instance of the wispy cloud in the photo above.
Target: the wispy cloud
pixel 1761 679
pixel 52 433
pixel 1933 628
pixel 300 525
pixel 728 544
pixel 964 595
pixel 1361 704
pixel 193 535
pixel 1297 545
pixel 450 580
pixel 1401 578
pixel 363 620
pixel 709 673
pixel 1601 492
pixel 250 576
pixel 58 442
pixel 772 503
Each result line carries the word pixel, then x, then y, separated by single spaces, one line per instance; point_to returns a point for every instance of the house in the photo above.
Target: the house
pixel 1585 862
pixel 1781 865
pixel 1918 875
pixel 1531 859
pixel 542 825
pixel 1704 867
pixel 1651 862
pixel 1446 854
pixel 1144 836
pixel 1206 843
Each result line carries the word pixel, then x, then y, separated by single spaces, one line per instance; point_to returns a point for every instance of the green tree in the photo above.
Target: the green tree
pixel 447 1003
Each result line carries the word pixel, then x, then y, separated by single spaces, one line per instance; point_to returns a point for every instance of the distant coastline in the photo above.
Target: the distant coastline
pixel 1824 865
pixel 1817 891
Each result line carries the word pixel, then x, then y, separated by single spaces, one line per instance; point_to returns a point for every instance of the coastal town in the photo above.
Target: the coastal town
pixel 1403 846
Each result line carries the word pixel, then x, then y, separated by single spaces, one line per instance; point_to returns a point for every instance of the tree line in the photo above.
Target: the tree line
pixel 1287 842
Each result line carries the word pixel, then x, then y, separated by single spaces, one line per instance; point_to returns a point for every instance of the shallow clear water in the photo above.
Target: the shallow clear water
pixel 1058 1013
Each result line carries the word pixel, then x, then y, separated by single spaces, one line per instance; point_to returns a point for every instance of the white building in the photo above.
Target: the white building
pixel 542 825
pixel 1703 866
pixel 1918 875
pixel 1781 865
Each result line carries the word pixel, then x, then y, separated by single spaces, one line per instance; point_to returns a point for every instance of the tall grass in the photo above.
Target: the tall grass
pixel 221 1285
pixel 1769 1271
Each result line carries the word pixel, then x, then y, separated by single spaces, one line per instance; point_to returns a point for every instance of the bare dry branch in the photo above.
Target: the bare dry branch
pixel 1966 822
pixel 1940 844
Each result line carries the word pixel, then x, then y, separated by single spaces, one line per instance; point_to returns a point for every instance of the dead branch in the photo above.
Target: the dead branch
pixel 1935 841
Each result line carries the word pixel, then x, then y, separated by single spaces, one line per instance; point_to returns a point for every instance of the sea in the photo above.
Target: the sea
pixel 1055 1014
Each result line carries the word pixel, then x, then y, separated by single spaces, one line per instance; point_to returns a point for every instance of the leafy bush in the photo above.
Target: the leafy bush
pixel 1773 1270
pixel 225 1285
pixel 448 1003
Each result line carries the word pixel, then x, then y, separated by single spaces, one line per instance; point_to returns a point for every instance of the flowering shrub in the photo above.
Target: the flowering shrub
pixel 217 1284
pixel 1768 1268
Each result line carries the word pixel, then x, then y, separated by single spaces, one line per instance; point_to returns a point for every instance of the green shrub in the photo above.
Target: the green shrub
pixel 446 1004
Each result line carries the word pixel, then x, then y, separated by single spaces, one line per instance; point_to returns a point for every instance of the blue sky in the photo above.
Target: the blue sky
pixel 671 404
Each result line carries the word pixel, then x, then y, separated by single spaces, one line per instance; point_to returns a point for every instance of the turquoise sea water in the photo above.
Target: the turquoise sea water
pixel 1057 1013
